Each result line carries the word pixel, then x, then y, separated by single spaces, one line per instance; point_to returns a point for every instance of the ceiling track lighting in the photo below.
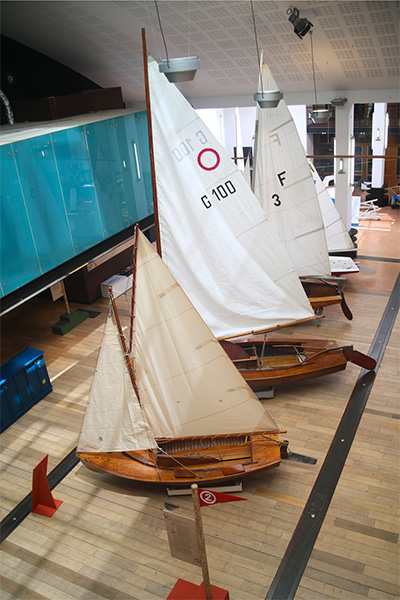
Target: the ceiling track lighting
pixel 301 26
pixel 264 98
pixel 177 70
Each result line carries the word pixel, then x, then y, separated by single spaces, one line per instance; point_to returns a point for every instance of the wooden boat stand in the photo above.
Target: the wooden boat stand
pixel 234 486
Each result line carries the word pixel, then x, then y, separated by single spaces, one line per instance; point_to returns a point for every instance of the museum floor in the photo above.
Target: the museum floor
pixel 108 539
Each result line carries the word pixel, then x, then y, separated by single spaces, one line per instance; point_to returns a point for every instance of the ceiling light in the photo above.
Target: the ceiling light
pixel 265 98
pixel 269 99
pixel 180 69
pixel 320 113
pixel 177 69
pixel 301 26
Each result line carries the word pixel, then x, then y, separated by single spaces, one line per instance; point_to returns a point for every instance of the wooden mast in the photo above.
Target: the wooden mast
pixel 123 343
pixel 133 288
pixel 151 147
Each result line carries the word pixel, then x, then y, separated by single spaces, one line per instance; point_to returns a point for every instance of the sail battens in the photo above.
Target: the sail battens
pixel 165 292
pixel 280 126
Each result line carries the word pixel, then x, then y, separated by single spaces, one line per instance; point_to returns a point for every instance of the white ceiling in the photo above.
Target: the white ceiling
pixel 356 45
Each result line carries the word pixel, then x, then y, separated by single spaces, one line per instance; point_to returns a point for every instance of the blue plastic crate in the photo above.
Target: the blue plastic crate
pixel 23 382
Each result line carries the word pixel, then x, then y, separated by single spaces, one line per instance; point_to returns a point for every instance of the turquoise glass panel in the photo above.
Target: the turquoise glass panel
pixel 78 188
pixel 133 167
pixel 146 202
pixel 44 201
pixel 19 263
pixel 107 176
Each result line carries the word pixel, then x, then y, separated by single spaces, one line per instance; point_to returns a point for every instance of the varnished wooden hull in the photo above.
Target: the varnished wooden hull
pixel 221 463
pixel 322 293
pixel 288 362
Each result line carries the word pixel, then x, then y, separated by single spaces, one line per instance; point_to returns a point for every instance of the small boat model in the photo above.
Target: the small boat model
pixel 167 405
pixel 285 188
pixel 268 363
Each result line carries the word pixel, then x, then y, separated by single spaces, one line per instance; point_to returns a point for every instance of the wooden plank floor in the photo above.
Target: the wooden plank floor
pixel 108 540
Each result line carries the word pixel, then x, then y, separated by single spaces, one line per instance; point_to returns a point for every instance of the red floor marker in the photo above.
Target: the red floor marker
pixel 43 502
pixel 184 590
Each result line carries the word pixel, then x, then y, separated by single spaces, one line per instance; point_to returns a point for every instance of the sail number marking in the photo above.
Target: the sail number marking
pixel 220 192
pixel 277 200
pixel 186 147
pixel 275 197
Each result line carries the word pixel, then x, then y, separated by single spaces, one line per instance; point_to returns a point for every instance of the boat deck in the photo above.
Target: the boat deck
pixel 108 538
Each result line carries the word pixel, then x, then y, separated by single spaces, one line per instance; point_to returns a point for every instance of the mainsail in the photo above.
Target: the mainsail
pixel 337 236
pixel 215 237
pixel 284 186
pixel 188 386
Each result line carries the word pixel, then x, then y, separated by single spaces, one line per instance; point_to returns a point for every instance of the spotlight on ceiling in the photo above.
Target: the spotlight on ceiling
pixel 301 26
pixel 338 101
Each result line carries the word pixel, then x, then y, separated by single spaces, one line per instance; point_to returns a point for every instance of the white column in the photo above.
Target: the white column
pixel 379 143
pixel 299 115
pixel 344 134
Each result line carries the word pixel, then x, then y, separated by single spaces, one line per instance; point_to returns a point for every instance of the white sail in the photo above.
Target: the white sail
pixel 247 172
pixel 187 384
pixel 113 420
pixel 337 236
pixel 215 238
pixel 284 186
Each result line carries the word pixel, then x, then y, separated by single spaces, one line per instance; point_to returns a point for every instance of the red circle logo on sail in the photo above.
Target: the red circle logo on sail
pixel 205 166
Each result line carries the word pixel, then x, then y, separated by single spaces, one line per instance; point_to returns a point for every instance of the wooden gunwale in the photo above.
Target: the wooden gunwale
pixel 305 361
pixel 261 454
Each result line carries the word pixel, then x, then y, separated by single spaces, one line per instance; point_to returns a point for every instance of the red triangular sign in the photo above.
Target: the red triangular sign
pixel 208 497
pixel 43 502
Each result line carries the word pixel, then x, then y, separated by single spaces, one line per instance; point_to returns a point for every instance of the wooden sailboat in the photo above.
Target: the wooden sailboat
pixel 284 186
pixel 341 247
pixel 214 236
pixel 266 363
pixel 175 410
pixel 337 237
